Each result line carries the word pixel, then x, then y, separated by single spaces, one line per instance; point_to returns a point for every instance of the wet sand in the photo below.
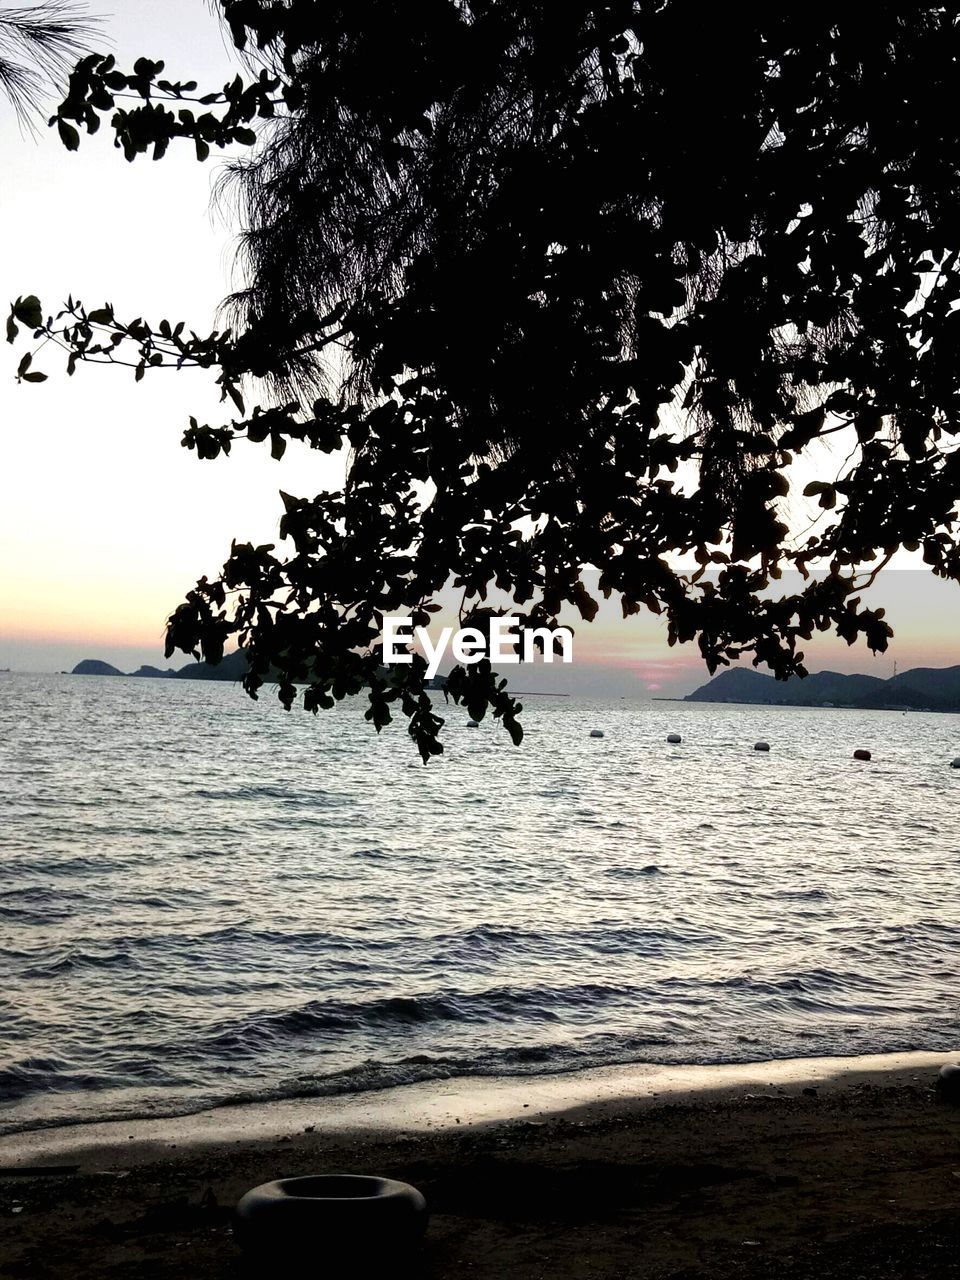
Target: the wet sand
pixel 820 1168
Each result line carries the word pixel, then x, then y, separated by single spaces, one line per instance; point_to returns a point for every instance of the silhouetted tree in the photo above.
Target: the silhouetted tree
pixel 578 284
pixel 39 43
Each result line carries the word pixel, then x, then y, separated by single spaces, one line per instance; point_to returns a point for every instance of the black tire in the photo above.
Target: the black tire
pixel 948 1082
pixel 344 1215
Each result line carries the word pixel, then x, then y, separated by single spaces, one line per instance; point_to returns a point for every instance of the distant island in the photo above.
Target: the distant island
pixel 921 689
pixel 234 666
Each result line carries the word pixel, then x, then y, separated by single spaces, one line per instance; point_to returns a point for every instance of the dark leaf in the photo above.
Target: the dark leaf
pixel 69 136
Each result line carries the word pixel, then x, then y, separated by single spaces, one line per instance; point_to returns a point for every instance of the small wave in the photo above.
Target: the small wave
pixel 40 915
pixel 20 1079
pixel 498 1004
pixel 72 865
pixel 250 791
pixel 42 894
pixel 77 960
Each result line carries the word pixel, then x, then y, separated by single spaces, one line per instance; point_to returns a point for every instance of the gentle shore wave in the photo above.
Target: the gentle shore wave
pixel 471 1101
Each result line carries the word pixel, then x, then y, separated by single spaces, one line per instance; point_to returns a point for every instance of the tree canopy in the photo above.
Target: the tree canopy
pixel 578 285
pixel 38 45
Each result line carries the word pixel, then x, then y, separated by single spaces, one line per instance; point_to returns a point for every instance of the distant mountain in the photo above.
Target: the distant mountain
pixel 234 666
pixel 940 682
pixel 924 688
pixel 94 667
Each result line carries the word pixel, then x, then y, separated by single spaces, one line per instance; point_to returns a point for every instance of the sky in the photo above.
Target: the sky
pixel 105 521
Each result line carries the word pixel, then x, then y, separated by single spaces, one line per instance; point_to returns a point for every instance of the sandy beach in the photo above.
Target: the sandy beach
pixel 823 1167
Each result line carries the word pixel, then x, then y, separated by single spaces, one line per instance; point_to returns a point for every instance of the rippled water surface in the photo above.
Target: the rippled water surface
pixel 204 899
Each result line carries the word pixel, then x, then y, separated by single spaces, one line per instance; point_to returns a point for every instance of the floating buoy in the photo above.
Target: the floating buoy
pixel 948 1082
pixel 674 738
pixel 861 753
pixel 346 1213
pixel 596 733
pixel 473 724
pixel 955 764
pixel 761 746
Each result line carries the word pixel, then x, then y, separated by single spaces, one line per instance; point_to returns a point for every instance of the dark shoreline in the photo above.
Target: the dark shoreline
pixel 851 1178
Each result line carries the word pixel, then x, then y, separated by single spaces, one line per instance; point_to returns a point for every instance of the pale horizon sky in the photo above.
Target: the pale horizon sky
pixel 105 521
pixel 613 657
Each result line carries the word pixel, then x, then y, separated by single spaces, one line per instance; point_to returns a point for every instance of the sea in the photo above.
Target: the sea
pixel 205 900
